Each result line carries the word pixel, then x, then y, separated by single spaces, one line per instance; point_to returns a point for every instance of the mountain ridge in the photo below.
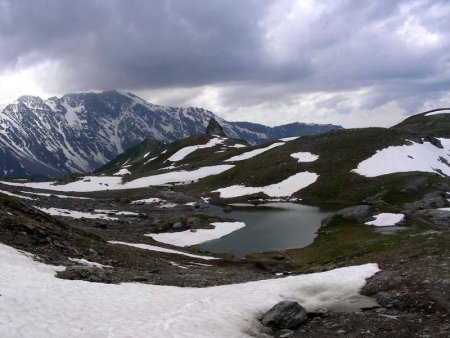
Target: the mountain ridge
pixel 80 132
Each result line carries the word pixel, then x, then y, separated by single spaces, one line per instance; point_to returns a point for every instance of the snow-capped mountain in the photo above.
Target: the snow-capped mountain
pixel 80 132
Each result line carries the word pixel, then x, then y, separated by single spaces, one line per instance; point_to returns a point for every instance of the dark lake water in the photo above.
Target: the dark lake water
pixel 273 226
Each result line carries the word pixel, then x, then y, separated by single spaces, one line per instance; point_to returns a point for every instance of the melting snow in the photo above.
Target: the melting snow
pixel 36 304
pixel 60 196
pixel 75 214
pixel 167 205
pixel 287 139
pixel 415 157
pixel 87 263
pixel 438 112
pixel 188 238
pixel 99 183
pixel 150 159
pixel 282 189
pixel 386 219
pixel 305 157
pixel 122 172
pixel 15 195
pixel 253 153
pixel 182 153
pixel 148 200
pixel 160 249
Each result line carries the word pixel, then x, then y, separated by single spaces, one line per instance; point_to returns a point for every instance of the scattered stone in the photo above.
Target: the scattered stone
pixel 177 225
pixel 88 273
pixel 285 315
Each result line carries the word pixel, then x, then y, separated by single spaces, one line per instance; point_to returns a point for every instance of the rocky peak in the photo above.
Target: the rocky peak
pixel 214 128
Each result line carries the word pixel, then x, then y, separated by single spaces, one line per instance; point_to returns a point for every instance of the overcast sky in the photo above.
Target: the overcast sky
pixel 355 63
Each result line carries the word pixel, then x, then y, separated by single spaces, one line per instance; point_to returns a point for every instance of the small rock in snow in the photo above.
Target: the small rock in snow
pixel 285 315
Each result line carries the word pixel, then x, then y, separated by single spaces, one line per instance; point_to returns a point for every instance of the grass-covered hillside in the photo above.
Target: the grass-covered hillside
pixel 432 123
pixel 336 155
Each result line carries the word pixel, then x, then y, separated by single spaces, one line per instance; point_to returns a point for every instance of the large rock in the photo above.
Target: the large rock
pixel 435 216
pixel 429 201
pixel 357 213
pixel 285 315
pixel 91 274
pixel 214 128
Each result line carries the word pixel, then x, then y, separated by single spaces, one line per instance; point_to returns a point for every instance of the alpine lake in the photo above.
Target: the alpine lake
pixel 269 227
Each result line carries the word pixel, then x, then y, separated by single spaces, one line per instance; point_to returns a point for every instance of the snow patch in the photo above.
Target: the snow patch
pixel 386 219
pixel 287 139
pixel 59 196
pixel 36 304
pixel 438 112
pixel 182 153
pixel 414 157
pixel 150 200
pixel 100 183
pixel 122 172
pixel 75 214
pixel 188 238
pixel 253 153
pixel 305 156
pixel 89 264
pixel 160 249
pixel 284 188
pixel 5 192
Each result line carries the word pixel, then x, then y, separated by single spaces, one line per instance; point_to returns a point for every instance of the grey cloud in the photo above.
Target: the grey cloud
pixel 341 46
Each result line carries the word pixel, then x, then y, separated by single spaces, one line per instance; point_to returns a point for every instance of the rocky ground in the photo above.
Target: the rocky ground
pixel 57 239
pixel 412 289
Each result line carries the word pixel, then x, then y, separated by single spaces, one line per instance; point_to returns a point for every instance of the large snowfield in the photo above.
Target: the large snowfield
pixel 424 157
pixel 99 183
pixel 36 304
pixel 284 188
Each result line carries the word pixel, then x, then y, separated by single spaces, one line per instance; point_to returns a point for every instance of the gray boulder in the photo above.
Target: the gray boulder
pixel 429 201
pixel 285 315
pixel 357 213
pixel 375 199
pixel 177 225
pixel 435 216
pixel 91 274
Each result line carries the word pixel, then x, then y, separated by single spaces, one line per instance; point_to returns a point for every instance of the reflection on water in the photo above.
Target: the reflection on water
pixel 274 226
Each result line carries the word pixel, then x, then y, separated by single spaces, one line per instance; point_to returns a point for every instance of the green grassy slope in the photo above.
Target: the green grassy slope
pixel 434 125
pixel 134 156
pixel 339 152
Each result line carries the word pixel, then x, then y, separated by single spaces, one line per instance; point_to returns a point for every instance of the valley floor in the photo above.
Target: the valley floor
pixel 412 289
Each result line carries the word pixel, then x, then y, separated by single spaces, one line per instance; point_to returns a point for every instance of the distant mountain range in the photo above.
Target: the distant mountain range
pixel 80 132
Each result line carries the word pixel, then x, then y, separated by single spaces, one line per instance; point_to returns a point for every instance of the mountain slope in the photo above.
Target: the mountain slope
pixel 80 132
pixel 342 166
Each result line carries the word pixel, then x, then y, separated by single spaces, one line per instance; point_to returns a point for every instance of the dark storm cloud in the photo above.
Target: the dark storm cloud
pixel 135 43
pixel 273 49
